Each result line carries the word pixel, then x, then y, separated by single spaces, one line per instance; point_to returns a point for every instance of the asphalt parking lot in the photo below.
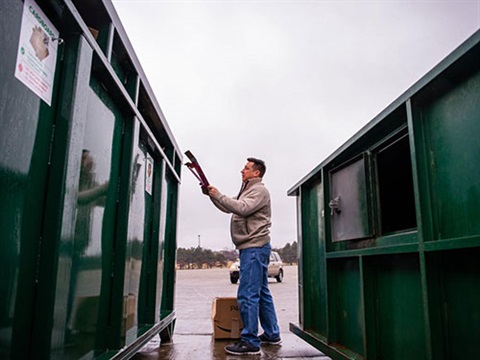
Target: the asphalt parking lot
pixel 193 335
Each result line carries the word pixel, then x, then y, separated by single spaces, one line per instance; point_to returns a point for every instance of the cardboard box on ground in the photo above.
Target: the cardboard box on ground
pixel 226 320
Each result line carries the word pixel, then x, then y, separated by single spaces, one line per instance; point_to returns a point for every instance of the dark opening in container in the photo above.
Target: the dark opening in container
pixel 395 187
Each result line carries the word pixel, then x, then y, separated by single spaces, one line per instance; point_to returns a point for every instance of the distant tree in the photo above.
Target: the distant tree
pixel 185 258
pixel 199 258
pixel 181 258
pixel 289 253
pixel 230 255
pixel 220 259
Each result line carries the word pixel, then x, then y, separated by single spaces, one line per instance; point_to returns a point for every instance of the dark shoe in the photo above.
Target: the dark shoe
pixel 265 340
pixel 242 348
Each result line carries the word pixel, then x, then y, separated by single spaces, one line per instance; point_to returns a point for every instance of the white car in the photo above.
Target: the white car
pixel 275 268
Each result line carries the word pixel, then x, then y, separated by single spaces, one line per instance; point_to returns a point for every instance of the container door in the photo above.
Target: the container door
pixel 168 245
pixel 27 120
pixel 91 322
pixel 143 245
pixel 349 202
pixel 138 228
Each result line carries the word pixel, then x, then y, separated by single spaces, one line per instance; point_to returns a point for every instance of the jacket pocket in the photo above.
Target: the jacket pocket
pixel 239 227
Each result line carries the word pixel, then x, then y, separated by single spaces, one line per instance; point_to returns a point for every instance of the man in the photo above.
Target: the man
pixel 250 232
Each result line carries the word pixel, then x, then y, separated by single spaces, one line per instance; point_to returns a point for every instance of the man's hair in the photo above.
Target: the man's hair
pixel 258 165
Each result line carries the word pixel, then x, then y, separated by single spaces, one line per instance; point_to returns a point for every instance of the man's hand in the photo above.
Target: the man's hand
pixel 212 191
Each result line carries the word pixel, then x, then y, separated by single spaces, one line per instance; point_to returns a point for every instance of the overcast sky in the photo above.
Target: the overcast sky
pixel 285 81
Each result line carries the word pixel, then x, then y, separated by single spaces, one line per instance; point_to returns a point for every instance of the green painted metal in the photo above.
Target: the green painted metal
pixel 344 299
pixel 27 125
pixel 450 123
pixel 409 286
pixel 398 311
pixel 312 277
pixel 88 255
pixel 454 281
pixel 170 245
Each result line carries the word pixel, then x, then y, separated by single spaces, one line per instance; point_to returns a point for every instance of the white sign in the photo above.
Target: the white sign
pixel 148 174
pixel 37 51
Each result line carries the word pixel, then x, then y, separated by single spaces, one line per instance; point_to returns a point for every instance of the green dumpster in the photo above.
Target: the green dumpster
pixel 89 179
pixel 389 227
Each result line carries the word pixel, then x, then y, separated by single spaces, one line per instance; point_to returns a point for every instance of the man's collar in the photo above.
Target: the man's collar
pixel 253 180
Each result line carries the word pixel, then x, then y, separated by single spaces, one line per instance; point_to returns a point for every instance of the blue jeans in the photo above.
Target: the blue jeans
pixel 254 298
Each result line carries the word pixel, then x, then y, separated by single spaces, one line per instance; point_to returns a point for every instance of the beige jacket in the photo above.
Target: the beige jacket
pixel 251 219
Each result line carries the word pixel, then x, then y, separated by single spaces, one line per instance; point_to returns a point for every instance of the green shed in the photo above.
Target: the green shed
pixel 389 227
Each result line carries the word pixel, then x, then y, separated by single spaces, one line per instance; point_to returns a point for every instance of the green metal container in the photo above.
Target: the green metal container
pixel 389 227
pixel 89 178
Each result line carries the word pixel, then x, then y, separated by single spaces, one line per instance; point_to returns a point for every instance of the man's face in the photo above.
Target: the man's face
pixel 248 172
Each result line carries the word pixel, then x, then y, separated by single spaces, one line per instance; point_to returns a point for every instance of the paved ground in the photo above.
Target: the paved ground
pixel 192 339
